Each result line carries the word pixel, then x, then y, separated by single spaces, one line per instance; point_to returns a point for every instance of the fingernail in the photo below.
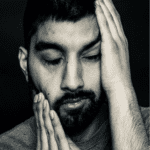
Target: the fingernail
pixel 39 97
pixel 97 3
pixel 35 99
pixel 52 114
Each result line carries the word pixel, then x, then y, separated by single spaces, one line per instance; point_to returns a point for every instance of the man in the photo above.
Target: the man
pixel 73 50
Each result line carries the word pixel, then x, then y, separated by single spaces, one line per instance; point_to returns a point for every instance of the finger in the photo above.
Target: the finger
pixel 49 127
pixel 59 132
pixel 111 15
pixel 116 17
pixel 36 118
pixel 117 42
pixel 111 23
pixel 43 136
pixel 103 24
pixel 118 23
pixel 35 108
pixel 38 140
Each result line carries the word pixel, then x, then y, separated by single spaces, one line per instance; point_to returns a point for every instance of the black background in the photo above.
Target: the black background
pixel 15 106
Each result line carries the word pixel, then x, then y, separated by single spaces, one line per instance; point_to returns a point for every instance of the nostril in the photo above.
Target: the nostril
pixel 71 88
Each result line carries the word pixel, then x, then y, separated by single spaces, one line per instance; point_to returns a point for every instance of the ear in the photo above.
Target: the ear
pixel 22 56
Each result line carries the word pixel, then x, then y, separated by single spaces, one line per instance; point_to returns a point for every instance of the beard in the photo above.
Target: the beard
pixel 75 121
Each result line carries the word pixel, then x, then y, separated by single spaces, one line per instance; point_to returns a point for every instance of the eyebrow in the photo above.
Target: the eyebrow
pixel 42 45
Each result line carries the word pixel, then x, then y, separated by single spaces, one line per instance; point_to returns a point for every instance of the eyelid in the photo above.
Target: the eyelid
pixel 92 57
pixel 54 62
pixel 92 53
pixel 50 57
pixel 94 49
pixel 51 53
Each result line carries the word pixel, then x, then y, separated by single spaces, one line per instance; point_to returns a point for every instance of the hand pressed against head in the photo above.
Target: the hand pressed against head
pixel 64 63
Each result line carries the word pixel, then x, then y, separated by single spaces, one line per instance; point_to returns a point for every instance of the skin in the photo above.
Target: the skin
pixel 128 131
pixel 75 71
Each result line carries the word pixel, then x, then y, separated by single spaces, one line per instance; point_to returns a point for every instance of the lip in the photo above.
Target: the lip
pixel 74 104
pixel 75 100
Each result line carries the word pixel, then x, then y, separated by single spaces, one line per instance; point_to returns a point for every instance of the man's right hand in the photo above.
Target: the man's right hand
pixel 50 134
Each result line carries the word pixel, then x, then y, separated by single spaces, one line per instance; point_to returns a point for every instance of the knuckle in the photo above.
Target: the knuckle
pixel 126 41
pixel 110 16
pixel 105 24
pixel 115 48
pixel 116 12
pixel 50 132
pixel 59 137
pixel 118 15
pixel 122 41
pixel 41 125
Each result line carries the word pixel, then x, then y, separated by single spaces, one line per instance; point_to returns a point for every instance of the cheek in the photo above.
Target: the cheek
pixel 51 87
pixel 45 80
pixel 91 75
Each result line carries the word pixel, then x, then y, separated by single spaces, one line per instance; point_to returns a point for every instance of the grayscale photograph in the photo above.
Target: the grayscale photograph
pixel 74 75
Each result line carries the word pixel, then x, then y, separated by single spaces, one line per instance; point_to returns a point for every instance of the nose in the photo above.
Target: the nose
pixel 72 76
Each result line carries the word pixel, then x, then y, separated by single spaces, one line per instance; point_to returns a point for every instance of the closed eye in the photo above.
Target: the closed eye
pixel 53 62
pixel 95 57
pixel 56 62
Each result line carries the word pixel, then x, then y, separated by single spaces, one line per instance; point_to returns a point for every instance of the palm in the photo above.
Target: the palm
pixel 114 47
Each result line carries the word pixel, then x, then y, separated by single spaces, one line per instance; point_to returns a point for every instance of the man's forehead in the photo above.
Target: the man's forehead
pixel 86 28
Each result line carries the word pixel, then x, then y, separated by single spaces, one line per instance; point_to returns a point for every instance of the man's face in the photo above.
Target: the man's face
pixel 64 64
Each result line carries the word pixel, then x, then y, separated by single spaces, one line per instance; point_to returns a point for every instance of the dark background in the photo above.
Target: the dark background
pixel 15 106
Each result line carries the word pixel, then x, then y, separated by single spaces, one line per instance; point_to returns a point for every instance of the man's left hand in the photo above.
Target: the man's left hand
pixel 114 48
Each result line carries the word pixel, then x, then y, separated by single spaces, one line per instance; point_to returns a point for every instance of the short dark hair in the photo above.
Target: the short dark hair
pixel 38 11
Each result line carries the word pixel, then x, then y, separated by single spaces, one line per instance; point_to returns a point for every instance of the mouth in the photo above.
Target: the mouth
pixel 74 103
pixel 74 100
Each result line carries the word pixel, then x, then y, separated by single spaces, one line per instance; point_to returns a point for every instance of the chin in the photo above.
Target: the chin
pixel 76 121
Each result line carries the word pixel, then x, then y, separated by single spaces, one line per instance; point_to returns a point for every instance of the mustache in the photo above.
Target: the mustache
pixel 82 94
